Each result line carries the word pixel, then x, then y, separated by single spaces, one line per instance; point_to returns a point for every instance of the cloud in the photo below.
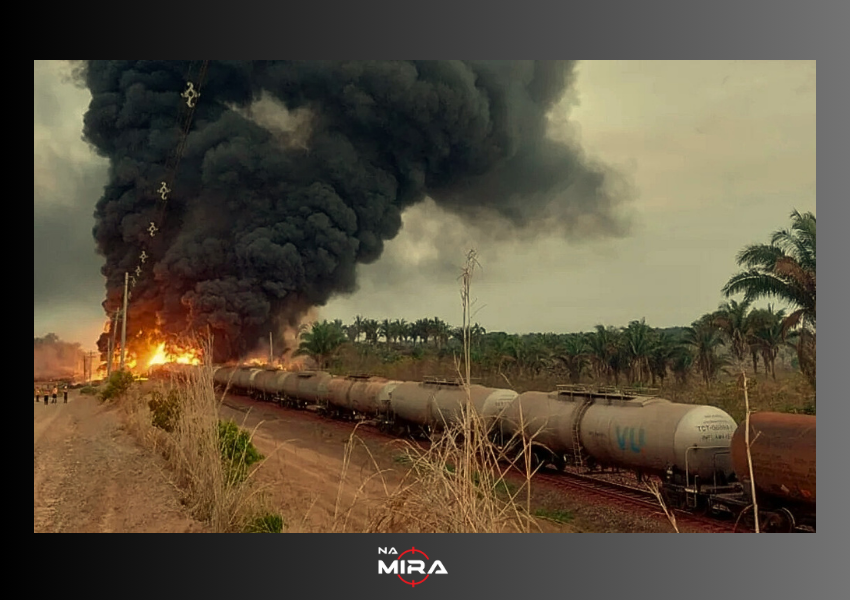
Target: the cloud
pixel 67 180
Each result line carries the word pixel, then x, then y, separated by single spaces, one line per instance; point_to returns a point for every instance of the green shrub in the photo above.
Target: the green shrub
pixel 88 390
pixel 559 516
pixel 237 451
pixel 119 382
pixel 267 523
pixel 165 410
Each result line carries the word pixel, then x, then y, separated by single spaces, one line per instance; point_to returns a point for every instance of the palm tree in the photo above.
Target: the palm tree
pixel 321 342
pixel 573 354
pixel 785 269
pixel 359 326
pixel 440 331
pixel 664 352
pixel 370 330
pixel 705 340
pixel 600 344
pixel 385 329
pixel 767 336
pixel 681 361
pixel 637 343
pixel 733 319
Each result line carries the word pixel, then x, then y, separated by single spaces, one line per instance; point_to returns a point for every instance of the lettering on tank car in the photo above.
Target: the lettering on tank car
pixel 714 427
pixel 636 442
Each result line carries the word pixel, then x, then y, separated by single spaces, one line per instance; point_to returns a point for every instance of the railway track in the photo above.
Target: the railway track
pixel 628 498
pixel 624 496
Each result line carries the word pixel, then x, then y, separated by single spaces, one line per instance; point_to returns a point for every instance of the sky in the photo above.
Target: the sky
pixel 716 155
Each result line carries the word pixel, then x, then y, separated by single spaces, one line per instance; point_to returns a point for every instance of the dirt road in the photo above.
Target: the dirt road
pixel 91 477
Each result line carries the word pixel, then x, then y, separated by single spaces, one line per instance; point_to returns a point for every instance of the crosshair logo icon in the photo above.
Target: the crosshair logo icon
pixel 413 550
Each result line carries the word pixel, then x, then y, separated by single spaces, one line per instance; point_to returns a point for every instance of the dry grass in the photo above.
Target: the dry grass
pixel 652 486
pixel 219 492
pixel 457 482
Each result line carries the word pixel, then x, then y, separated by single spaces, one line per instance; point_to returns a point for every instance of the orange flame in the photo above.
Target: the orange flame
pixel 183 356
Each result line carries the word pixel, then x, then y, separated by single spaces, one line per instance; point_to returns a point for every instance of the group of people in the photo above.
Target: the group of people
pixel 46 392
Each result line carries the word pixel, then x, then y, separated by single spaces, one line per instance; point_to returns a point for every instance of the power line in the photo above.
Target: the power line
pixel 190 96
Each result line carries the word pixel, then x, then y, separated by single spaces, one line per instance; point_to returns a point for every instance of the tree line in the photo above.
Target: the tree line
pixel 734 334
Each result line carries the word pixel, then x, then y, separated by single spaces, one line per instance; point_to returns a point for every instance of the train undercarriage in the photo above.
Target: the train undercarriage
pixel 723 499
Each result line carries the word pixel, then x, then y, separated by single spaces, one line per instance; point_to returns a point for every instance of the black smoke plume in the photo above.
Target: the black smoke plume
pixel 263 224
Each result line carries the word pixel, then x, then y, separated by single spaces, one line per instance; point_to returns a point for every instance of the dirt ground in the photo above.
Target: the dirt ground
pixel 92 476
pixel 305 458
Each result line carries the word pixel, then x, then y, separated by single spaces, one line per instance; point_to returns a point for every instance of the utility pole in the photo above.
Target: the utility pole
pixel 271 350
pixel 91 365
pixel 124 322
pixel 111 354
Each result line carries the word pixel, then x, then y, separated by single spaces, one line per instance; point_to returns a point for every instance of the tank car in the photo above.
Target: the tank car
pixel 370 397
pixel 686 446
pixel 435 405
pixel 338 389
pixel 268 384
pixel 658 437
pixel 243 379
pixel 784 466
pixel 223 377
pixel 546 422
pixel 358 397
pixel 303 388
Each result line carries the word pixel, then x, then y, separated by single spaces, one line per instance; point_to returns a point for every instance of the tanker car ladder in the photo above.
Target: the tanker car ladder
pixel 585 402
pixel 578 451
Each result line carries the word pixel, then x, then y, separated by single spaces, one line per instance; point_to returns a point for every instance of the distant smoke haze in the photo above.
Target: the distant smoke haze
pixel 55 359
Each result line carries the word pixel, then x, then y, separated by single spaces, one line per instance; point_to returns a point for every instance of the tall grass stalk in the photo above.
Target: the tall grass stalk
pixel 748 446
pixel 457 482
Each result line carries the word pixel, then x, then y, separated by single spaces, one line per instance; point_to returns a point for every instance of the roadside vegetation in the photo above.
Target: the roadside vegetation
pixel 211 460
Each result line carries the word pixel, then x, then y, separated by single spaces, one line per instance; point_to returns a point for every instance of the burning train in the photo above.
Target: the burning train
pixel 698 452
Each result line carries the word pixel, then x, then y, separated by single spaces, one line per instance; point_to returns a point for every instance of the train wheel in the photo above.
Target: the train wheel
pixel 780 521
pixel 671 499
pixel 702 507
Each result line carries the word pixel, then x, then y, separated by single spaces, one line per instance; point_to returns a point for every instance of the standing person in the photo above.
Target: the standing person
pixel 55 393
pixel 65 393
pixel 37 393
pixel 46 394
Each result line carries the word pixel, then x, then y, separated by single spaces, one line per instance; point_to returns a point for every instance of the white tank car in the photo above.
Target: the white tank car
pixel 269 383
pixel 371 397
pixel 363 395
pixel 243 379
pixel 650 435
pixel 308 386
pixel 224 376
pixel 544 418
pixel 439 403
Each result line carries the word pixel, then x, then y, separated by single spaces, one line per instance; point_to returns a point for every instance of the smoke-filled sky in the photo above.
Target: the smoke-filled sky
pixel 630 200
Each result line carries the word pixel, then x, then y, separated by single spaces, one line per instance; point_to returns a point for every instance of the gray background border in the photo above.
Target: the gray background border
pixel 784 567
